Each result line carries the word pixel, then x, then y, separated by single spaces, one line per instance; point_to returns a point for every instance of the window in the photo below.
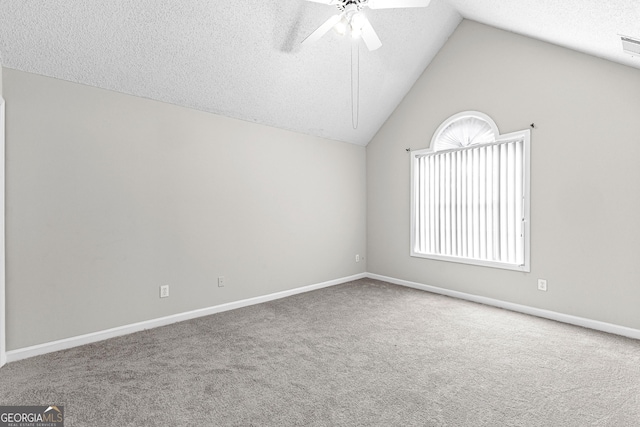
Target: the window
pixel 470 195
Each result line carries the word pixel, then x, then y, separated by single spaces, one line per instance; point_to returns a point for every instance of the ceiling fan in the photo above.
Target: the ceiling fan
pixel 351 17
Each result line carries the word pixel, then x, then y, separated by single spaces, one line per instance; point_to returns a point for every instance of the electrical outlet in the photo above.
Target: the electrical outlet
pixel 164 291
pixel 357 258
pixel 221 282
pixel 542 285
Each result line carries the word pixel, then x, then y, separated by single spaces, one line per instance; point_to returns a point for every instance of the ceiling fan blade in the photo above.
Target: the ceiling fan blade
pixel 329 2
pixel 322 30
pixel 396 4
pixel 369 35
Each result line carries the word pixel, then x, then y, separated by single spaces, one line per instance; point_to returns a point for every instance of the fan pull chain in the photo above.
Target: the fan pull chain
pixel 355 82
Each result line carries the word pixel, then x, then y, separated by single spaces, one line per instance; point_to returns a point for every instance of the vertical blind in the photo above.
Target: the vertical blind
pixel 469 203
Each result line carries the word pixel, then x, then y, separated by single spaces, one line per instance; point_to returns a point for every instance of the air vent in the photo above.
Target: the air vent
pixel 630 46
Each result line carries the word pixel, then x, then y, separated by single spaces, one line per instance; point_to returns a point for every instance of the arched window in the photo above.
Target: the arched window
pixel 463 130
pixel 470 194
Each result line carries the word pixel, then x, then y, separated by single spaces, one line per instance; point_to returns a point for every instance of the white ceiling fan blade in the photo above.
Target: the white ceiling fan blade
pixel 369 35
pixel 322 30
pixel 329 2
pixel 396 4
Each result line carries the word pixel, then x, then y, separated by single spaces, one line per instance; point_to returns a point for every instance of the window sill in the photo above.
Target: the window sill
pixel 478 262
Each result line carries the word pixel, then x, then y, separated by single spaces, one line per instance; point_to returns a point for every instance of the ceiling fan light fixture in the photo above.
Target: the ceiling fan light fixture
pixel 341 27
pixel 357 21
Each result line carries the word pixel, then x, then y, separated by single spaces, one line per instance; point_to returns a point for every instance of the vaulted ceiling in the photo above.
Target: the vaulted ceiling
pixel 243 58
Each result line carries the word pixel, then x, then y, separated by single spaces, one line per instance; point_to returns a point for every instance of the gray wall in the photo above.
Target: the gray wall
pixel 109 196
pixel 585 180
pixel 2 270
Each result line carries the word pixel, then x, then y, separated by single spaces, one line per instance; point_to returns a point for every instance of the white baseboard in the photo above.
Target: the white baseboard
pixel 560 317
pixel 36 350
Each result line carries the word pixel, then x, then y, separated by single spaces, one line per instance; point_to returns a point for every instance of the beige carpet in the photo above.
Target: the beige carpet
pixel 359 354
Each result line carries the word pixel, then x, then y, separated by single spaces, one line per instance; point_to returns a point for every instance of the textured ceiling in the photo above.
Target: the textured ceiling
pixel 243 59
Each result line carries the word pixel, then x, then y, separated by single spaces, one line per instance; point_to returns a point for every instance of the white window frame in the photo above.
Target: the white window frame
pixel 525 136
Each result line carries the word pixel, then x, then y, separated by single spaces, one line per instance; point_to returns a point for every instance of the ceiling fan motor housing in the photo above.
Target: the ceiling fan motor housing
pixel 344 4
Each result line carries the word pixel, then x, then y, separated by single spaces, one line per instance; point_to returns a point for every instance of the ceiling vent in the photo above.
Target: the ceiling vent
pixel 630 46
